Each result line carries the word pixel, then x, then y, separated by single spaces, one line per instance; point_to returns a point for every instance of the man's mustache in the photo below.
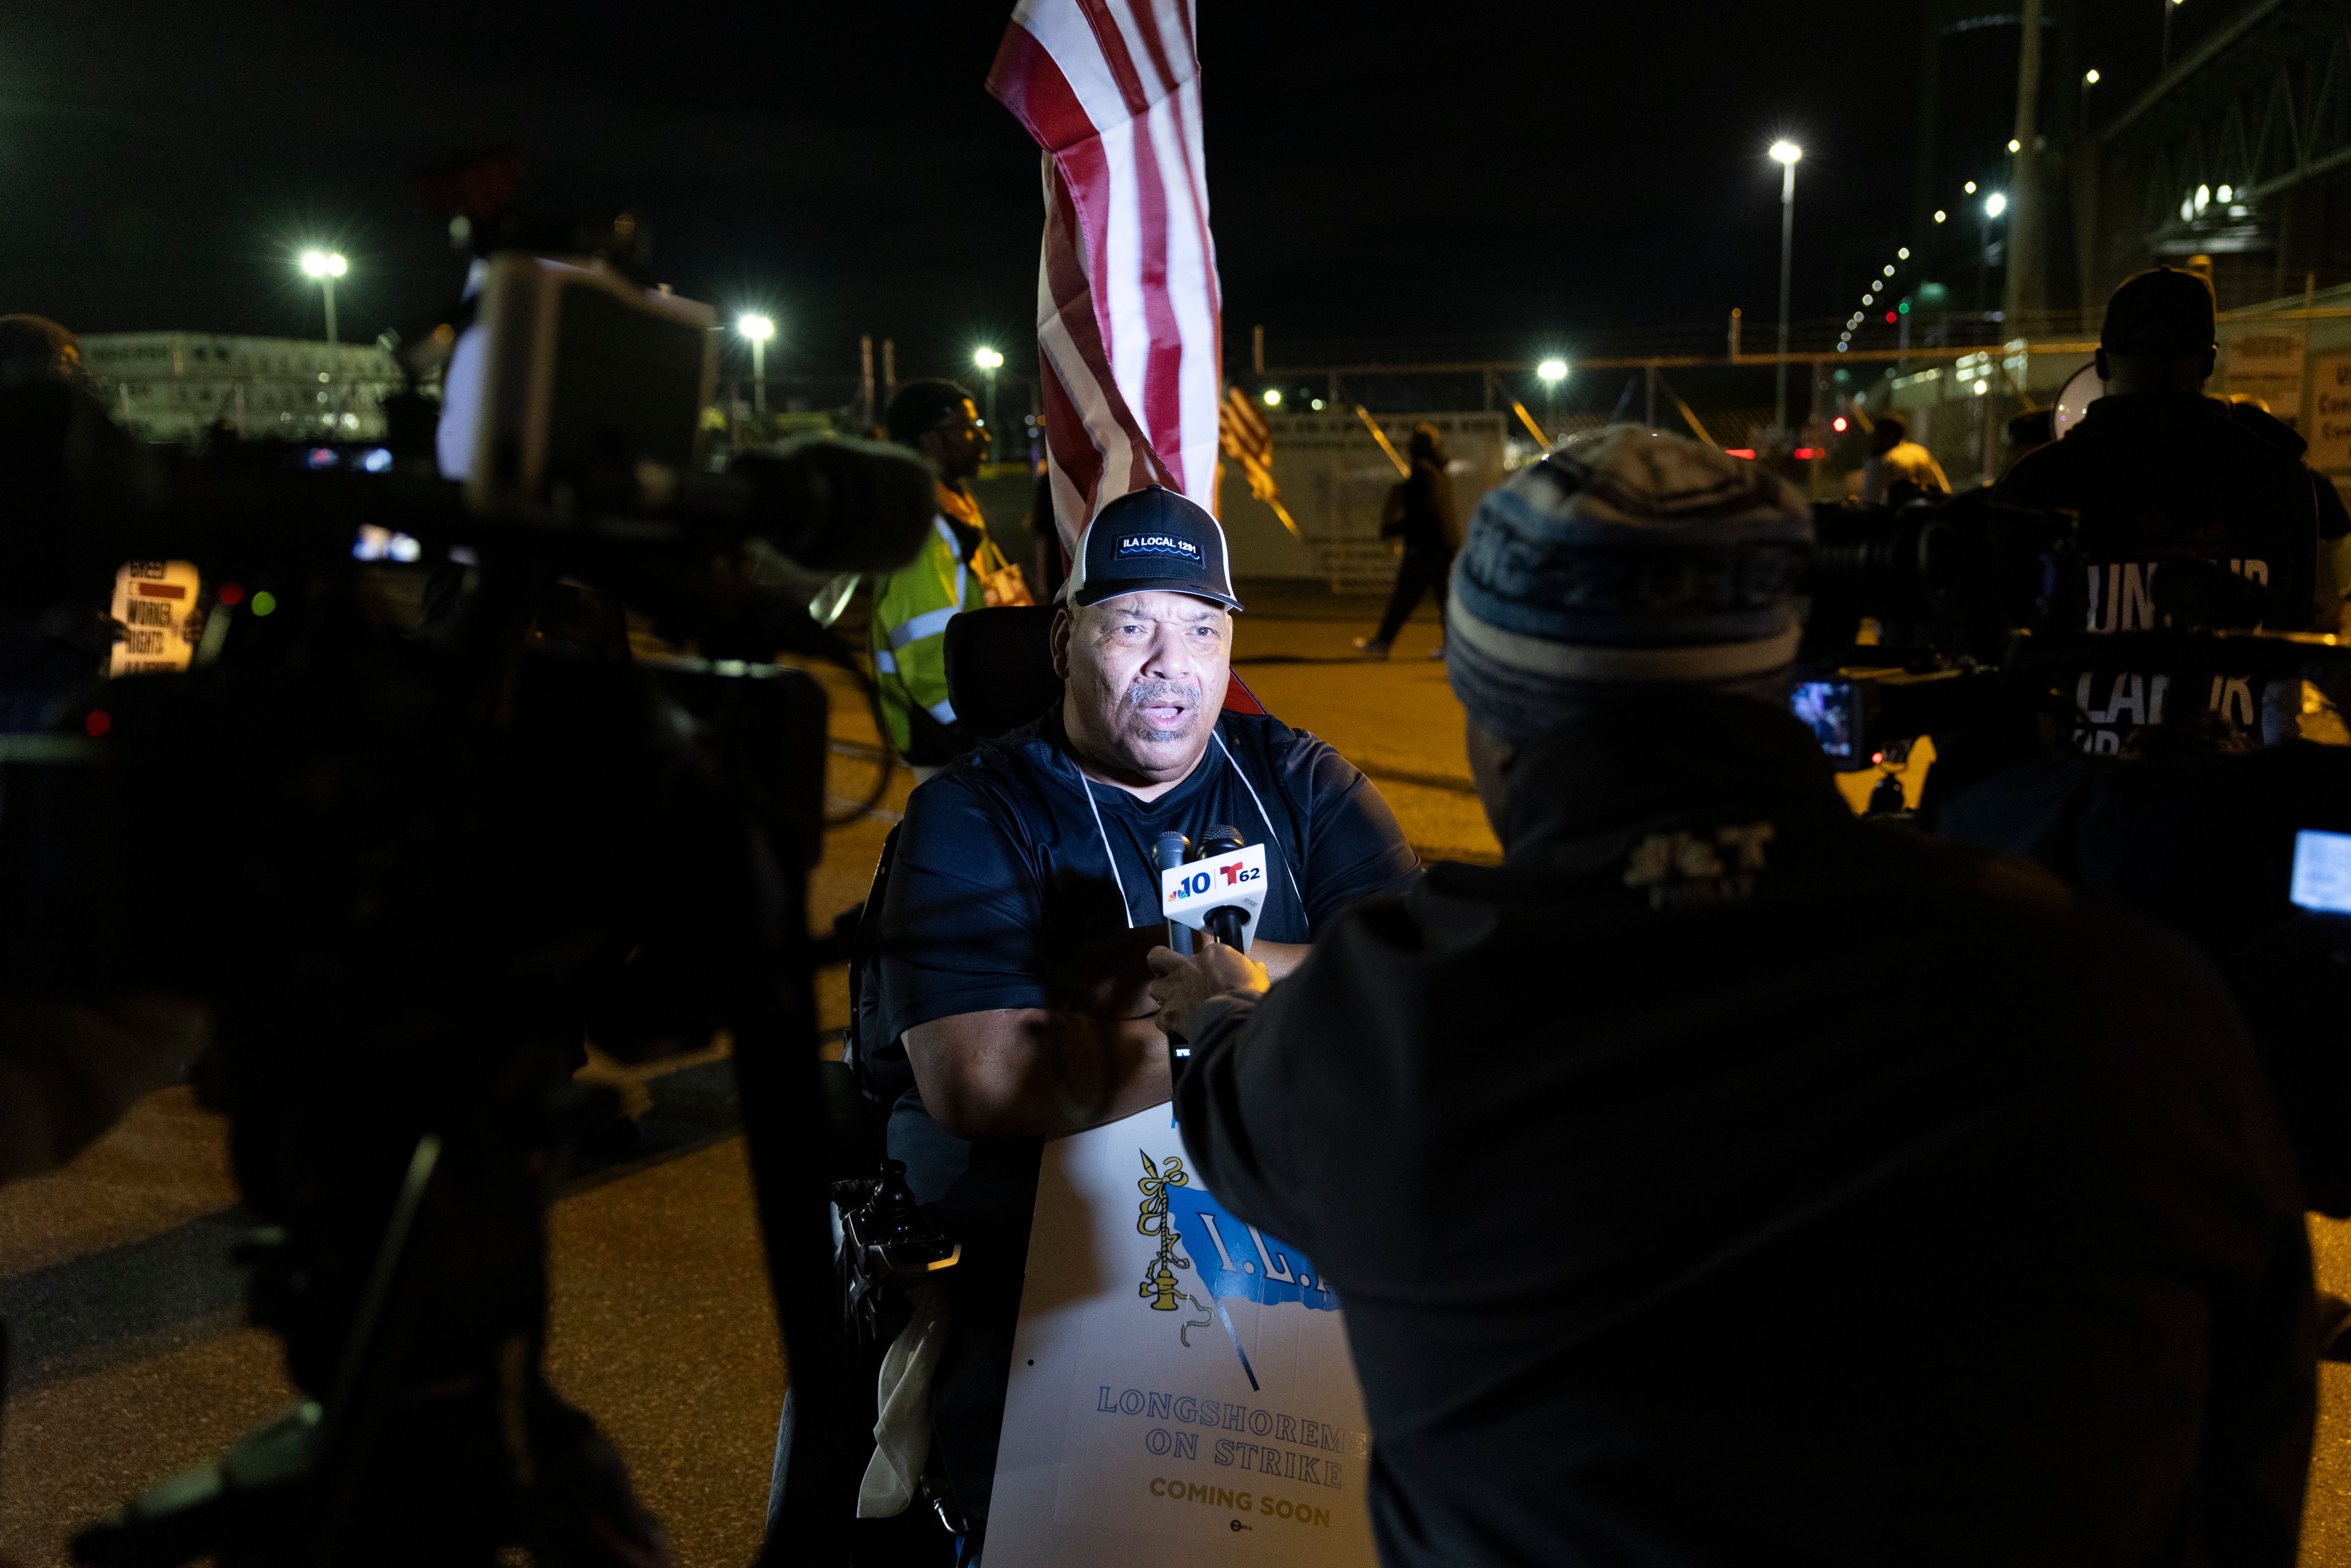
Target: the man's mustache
pixel 1149 694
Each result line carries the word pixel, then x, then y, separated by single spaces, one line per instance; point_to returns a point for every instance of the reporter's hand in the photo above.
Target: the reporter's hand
pixel 1183 983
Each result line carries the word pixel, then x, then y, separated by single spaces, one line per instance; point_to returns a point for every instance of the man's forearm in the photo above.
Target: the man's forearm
pixel 1280 958
pixel 1027 1073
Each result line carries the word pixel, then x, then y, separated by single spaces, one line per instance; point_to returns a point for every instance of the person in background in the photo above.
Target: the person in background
pixel 2183 502
pixel 56 632
pixel 70 1066
pixel 1895 461
pixel 1682 1219
pixel 912 605
pixel 1419 511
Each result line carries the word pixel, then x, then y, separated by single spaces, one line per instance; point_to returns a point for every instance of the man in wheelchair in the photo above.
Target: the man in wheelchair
pixel 1005 1000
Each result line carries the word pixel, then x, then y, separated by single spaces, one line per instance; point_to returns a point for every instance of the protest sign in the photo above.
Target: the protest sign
pixel 1178 1378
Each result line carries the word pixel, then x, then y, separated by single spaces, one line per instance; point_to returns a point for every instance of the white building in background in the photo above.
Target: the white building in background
pixel 168 386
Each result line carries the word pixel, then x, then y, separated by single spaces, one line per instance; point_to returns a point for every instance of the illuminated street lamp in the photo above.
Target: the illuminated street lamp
pixel 1993 205
pixel 991 362
pixel 1551 372
pixel 326 266
pixel 1785 154
pixel 1273 397
pixel 759 330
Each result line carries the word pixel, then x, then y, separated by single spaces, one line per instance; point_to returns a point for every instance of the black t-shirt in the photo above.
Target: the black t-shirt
pixel 1002 877
pixel 2158 478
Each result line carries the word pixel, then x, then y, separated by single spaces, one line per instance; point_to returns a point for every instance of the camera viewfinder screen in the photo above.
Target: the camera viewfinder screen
pixel 1826 706
pixel 2322 872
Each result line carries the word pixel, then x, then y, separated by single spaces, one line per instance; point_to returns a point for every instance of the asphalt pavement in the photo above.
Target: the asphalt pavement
pixel 131 1363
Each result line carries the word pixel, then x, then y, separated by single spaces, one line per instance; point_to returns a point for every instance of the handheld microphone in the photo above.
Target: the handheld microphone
pixel 1228 922
pixel 1172 850
pixel 1219 890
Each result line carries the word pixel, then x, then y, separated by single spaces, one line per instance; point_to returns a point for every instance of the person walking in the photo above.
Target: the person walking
pixel 1419 511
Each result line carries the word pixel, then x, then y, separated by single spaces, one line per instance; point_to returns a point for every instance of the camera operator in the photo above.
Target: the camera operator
pixel 1025 896
pixel 1724 1178
pixel 2163 477
pixel 69 1067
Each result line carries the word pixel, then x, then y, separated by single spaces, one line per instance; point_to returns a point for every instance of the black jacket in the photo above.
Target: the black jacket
pixel 1419 509
pixel 1723 1180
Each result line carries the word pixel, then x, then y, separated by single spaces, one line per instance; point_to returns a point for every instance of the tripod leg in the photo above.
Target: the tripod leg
pixel 785 1132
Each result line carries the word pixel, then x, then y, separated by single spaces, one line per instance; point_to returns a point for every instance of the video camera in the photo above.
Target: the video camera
pixel 435 853
pixel 1981 616
pixel 1969 620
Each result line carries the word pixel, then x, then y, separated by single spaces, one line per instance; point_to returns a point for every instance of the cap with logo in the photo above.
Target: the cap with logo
pixel 1153 539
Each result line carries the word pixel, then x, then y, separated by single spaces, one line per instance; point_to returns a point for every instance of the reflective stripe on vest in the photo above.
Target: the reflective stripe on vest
pixel 930 624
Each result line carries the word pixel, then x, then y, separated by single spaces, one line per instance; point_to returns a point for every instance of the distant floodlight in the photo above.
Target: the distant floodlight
pixel 324 263
pixel 1995 205
pixel 1273 397
pixel 2090 75
pixel 1554 369
pixel 986 358
pixel 2014 145
pixel 1785 152
pixel 759 328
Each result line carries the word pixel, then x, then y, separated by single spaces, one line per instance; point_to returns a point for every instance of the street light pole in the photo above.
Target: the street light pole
pixel 759 330
pixel 1785 154
pixel 991 362
pixel 326 266
pixel 1551 372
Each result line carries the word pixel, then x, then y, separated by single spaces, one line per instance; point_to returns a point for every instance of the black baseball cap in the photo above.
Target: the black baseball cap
pixel 2163 310
pixel 1153 539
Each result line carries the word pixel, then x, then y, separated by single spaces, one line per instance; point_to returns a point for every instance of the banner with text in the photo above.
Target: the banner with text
pixel 1178 1378
pixel 2267 366
pixel 2330 427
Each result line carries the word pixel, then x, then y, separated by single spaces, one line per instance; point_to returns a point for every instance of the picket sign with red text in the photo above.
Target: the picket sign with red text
pixel 1187 893
pixel 1181 1389
pixel 155 602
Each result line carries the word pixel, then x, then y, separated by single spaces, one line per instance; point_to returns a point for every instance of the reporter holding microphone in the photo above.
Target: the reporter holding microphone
pixel 1723 1179
pixel 1026 893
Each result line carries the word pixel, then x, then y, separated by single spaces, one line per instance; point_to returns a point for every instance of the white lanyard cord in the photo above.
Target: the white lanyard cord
pixel 1272 834
pixel 1108 853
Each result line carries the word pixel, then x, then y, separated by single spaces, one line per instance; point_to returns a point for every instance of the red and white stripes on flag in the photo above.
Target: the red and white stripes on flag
pixel 1129 317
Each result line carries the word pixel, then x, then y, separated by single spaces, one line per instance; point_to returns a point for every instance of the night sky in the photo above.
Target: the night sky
pixel 1461 180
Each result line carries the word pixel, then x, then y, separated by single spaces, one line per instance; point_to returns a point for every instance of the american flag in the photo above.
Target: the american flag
pixel 1247 439
pixel 1129 317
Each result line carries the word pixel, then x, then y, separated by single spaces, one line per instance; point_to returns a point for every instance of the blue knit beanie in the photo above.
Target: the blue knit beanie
pixel 1626 558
